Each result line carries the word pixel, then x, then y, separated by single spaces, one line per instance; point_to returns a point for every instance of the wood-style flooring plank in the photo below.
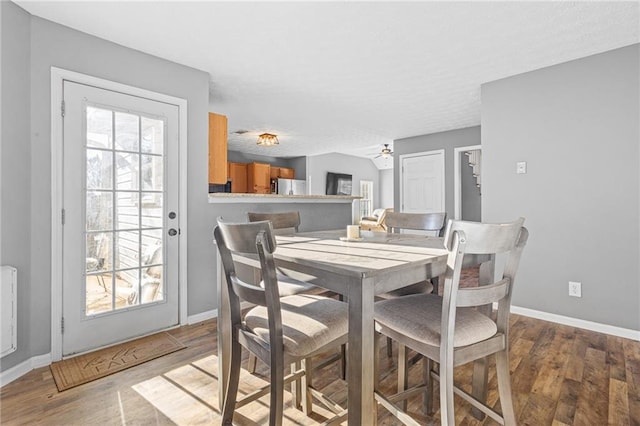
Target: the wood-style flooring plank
pixel 561 376
pixel 632 367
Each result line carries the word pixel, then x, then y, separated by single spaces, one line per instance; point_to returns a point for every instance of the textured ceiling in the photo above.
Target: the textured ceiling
pixel 350 76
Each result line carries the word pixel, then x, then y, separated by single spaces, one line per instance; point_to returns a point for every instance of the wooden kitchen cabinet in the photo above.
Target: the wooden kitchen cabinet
pixel 217 149
pixel 287 173
pixel 258 178
pixel 282 172
pixel 238 176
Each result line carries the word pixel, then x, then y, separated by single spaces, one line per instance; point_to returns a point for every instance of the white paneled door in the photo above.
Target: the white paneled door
pixel 120 232
pixel 422 182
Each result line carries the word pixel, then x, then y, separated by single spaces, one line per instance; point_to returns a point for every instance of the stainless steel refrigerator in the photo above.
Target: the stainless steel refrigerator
pixel 292 187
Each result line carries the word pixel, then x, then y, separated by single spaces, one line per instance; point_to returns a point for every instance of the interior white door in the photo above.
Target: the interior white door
pixel 120 200
pixel 423 182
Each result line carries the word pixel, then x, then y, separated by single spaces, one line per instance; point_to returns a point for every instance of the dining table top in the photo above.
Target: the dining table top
pixel 373 254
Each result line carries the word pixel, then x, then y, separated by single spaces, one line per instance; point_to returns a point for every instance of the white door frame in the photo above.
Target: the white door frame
pixel 58 75
pixel 421 154
pixel 457 181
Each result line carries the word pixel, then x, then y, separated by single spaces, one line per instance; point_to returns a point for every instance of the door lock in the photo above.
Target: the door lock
pixel 172 215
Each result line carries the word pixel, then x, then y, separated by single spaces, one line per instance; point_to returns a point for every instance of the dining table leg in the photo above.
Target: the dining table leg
pixel 360 365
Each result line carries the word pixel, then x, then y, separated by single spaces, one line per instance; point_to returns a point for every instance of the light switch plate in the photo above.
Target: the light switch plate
pixel 575 289
pixel 521 167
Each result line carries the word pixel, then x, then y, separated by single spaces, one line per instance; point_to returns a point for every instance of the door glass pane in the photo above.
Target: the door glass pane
pixel 99 210
pixel 126 171
pixel 99 127
pixel 152 175
pixel 152 267
pixel 151 212
pixel 99 293
pixel 125 183
pixel 152 135
pixel 99 169
pixel 127 211
pixel 127 131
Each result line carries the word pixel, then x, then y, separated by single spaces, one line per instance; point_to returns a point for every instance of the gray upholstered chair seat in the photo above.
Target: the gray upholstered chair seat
pixel 308 322
pixel 417 288
pixel 288 286
pixel 418 317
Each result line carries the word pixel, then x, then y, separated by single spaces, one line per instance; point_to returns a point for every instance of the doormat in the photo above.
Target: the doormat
pixel 94 365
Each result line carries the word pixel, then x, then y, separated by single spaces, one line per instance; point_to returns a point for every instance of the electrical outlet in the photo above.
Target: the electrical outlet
pixel 521 167
pixel 575 289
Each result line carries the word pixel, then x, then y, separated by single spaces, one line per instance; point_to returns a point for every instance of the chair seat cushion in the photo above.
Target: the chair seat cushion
pixel 288 286
pixel 309 322
pixel 418 317
pixel 417 288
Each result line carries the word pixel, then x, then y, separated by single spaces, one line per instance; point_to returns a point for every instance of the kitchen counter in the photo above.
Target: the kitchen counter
pixel 226 197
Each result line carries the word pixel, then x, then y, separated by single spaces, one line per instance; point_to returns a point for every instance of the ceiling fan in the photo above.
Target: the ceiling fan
pixel 385 152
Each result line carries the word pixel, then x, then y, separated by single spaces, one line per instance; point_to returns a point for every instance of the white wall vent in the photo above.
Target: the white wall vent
pixel 8 305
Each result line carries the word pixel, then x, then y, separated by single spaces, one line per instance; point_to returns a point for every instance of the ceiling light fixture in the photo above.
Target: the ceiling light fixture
pixel 385 152
pixel 268 139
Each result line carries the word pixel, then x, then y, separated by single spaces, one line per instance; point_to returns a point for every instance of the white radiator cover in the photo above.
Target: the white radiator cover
pixel 8 306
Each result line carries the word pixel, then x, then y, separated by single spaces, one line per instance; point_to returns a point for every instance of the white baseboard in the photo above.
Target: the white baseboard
pixel 575 322
pixel 23 368
pixel 203 316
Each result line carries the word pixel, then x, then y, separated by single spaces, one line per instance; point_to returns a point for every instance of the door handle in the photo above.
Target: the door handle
pixel 173 232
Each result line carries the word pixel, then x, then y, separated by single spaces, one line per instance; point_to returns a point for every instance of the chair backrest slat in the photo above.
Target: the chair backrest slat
pixel 483 295
pixel 435 222
pixel 248 292
pixel 484 238
pixel 279 221
pixel 241 237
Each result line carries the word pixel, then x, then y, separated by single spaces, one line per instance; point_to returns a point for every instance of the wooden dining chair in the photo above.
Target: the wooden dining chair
pixel 449 330
pixel 278 330
pixel 397 222
pixel 429 222
pixel 288 223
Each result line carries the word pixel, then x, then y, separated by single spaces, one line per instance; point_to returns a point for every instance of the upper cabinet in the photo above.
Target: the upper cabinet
pixel 217 149
pixel 282 172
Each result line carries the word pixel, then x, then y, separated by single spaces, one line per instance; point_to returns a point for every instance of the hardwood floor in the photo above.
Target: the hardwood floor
pixel 560 375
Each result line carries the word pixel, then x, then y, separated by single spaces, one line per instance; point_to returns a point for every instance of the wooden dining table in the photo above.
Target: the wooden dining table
pixel 359 270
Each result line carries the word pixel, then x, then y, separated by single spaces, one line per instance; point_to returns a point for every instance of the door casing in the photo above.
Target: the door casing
pixel 58 75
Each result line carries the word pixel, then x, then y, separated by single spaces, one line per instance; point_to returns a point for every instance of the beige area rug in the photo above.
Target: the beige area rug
pixel 91 366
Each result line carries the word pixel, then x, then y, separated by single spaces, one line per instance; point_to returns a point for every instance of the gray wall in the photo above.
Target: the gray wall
pixel 360 168
pixel 28 141
pixel 385 197
pixel 15 180
pixel 576 126
pixel 313 216
pixel 300 165
pixel 470 195
pixel 448 141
